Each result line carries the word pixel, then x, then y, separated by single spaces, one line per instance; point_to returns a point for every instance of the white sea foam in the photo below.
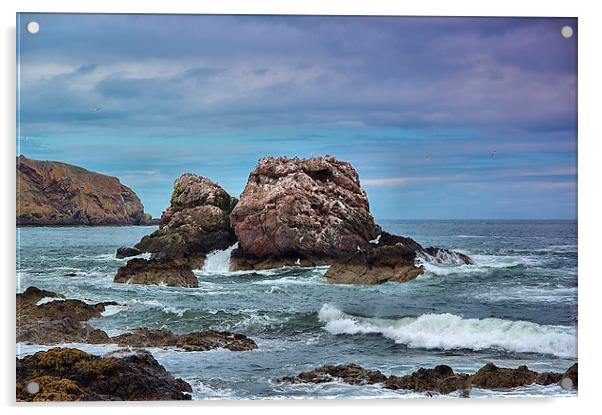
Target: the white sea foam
pixel 49 300
pixel 446 258
pixel 448 331
pixel 483 263
pixel 219 261
pixel 154 304
pixel 112 310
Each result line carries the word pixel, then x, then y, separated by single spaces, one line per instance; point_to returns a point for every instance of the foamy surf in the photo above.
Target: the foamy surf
pixel 449 331
pixel 219 261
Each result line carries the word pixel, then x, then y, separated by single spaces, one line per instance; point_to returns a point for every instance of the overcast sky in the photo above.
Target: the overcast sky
pixel 443 118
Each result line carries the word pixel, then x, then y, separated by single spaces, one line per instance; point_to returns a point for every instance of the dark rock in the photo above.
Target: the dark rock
pixel 70 274
pixel 572 374
pixel 440 379
pixel 351 373
pixel 197 341
pixel 71 374
pixel 126 252
pixel 376 265
pixel 56 321
pixel 53 193
pixel 492 377
pixel 170 272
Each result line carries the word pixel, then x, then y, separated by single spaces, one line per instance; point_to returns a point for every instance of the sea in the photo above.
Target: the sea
pixel 516 306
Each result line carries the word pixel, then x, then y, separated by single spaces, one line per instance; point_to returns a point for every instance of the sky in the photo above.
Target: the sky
pixel 443 118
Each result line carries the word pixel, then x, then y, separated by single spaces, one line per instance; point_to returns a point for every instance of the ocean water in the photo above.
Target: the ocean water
pixel 517 305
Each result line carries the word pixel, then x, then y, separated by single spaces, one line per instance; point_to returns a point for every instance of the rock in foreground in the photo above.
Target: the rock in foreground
pixel 62 321
pixel 57 321
pixel 73 375
pixel 53 193
pixel 440 379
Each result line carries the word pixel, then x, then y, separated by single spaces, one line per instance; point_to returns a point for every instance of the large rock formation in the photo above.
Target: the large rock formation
pixel 314 211
pixel 440 379
pixel 66 321
pixel 312 208
pixel 53 193
pixel 63 374
pixel 196 223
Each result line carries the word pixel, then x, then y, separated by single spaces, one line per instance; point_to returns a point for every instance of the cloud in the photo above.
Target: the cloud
pixel 418 105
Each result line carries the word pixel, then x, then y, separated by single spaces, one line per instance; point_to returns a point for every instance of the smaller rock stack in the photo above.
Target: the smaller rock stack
pixel 196 223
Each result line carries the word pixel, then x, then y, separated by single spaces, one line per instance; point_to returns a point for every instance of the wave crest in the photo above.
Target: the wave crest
pixel 449 331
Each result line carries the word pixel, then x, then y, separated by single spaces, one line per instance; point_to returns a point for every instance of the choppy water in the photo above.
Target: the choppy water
pixel 517 306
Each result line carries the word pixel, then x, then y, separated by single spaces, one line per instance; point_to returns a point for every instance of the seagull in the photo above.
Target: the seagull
pixel 97 108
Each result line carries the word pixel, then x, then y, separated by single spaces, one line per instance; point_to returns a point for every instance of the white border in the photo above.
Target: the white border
pixel 590 70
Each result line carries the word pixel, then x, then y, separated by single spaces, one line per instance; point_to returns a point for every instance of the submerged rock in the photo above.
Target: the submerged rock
pixel 64 374
pixel 314 212
pixel 196 341
pixel 351 373
pixel 196 223
pixel 53 193
pixel 169 272
pixel 440 379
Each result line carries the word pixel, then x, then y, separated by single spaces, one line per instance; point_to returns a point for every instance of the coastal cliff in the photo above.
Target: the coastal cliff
pixel 54 193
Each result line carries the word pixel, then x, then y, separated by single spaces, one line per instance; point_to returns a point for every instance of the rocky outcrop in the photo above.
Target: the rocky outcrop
pixel 63 374
pixel 312 208
pixel 314 212
pixel 56 321
pixel 53 193
pixel 440 379
pixel 492 377
pixel 169 272
pixel 197 341
pixel 196 223
pixel 352 374
pixel 61 321
pixel 126 252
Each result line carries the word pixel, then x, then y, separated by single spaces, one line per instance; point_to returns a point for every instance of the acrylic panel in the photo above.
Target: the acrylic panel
pixel 279 207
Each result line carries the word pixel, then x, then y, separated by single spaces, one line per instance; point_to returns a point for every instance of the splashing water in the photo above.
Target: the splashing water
pixel 219 261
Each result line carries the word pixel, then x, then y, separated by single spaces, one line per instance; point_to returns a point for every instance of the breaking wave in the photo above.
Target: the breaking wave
pixel 219 261
pixel 449 331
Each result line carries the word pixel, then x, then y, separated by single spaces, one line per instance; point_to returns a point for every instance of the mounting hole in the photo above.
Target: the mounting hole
pixel 33 388
pixel 566 32
pixel 566 383
pixel 32 27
